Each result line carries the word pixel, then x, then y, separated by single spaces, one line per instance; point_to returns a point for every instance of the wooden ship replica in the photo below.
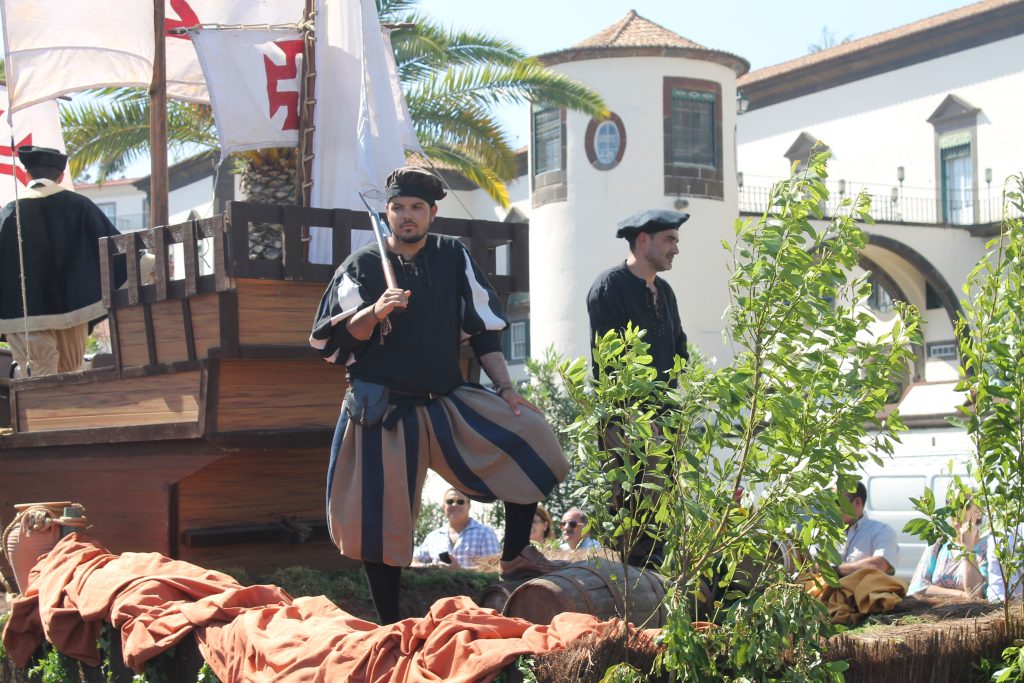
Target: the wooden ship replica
pixel 207 436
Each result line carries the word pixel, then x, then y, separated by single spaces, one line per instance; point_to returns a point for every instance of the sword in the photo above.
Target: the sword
pixel 385 262
pixel 380 234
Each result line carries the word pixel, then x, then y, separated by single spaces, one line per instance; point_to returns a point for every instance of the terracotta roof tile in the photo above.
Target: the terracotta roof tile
pixel 635 31
pixel 874 41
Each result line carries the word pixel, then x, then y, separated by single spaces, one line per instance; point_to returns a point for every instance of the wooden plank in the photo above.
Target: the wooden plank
pixel 106 436
pixel 228 317
pixel 169 335
pixel 278 394
pixel 115 336
pixel 275 311
pixel 132 340
pixel 161 269
pixel 519 257
pixel 190 336
pixel 211 397
pixel 291 240
pixel 147 318
pixel 190 247
pixel 159 399
pixel 205 311
pixel 107 251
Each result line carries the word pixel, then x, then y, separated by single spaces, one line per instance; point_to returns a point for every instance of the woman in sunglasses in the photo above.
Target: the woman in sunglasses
pixel 458 543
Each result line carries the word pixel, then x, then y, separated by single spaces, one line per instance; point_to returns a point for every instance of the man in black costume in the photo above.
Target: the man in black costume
pixel 632 292
pixel 408 406
pixel 60 230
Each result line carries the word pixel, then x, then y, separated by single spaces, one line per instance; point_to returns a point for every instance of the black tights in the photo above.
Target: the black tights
pixel 386 581
pixel 518 520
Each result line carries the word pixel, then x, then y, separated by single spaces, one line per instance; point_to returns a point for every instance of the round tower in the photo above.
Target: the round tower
pixel 669 144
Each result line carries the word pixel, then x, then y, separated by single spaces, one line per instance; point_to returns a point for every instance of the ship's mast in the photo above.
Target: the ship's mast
pixel 158 185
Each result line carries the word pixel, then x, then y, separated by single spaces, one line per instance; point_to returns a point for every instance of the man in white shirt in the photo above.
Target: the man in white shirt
pixel 870 544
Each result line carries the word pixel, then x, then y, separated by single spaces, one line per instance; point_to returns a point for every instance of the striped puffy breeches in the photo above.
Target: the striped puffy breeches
pixel 470 437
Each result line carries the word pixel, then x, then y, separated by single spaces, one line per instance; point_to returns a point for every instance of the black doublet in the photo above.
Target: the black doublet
pixel 451 300
pixel 618 297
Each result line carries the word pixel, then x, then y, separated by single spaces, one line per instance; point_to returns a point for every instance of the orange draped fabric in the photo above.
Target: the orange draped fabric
pixel 259 633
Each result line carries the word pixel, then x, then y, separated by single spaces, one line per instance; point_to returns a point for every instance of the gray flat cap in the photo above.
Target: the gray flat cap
pixel 650 220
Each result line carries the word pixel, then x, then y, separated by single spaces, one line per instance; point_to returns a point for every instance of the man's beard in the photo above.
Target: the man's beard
pixel 410 239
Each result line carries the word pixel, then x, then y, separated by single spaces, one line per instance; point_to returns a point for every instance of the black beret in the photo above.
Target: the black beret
pixel 413 181
pixel 650 220
pixel 34 157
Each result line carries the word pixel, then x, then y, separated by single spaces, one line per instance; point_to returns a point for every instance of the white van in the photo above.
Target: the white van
pixel 921 460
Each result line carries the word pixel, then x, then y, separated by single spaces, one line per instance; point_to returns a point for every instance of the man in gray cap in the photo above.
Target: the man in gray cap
pixel 408 406
pixel 60 232
pixel 632 292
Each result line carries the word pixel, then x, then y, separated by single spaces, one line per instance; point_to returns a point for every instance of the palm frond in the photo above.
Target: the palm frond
pixel 459 160
pixel 111 135
pixel 529 81
pixel 390 11
pixel 428 48
pixel 471 129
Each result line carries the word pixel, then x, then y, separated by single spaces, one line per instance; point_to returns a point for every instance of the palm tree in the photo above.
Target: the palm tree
pixel 452 80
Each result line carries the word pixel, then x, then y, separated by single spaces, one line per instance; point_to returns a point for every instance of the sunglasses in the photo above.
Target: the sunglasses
pixel 572 524
pixel 455 501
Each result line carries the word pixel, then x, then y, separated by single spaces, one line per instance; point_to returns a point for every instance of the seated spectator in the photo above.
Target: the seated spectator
pixel 573 522
pixel 869 543
pixel 959 570
pixel 461 541
pixel 997 586
pixel 543 529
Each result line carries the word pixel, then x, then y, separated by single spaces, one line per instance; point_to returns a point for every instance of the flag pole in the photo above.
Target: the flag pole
pixel 158 185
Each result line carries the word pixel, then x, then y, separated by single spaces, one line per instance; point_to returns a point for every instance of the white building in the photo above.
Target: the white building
pixel 925 117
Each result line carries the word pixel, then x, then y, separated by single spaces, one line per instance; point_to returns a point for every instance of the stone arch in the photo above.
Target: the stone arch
pixel 946 293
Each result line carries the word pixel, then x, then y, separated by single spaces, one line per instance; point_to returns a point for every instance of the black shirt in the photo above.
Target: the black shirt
pixel 618 297
pixel 451 302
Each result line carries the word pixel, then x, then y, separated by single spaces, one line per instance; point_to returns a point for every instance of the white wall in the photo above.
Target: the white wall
pixel 877 124
pixel 129 201
pixel 572 241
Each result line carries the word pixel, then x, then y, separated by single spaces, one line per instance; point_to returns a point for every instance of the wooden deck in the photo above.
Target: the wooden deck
pixel 207 436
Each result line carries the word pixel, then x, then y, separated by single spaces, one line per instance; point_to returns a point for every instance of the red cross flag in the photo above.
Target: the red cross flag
pixel 37 125
pixel 253 77
pixel 185 79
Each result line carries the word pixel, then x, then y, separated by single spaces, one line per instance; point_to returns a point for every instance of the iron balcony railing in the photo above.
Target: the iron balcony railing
pixel 920 206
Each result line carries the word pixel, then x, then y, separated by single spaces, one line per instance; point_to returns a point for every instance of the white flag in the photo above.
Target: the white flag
pixel 184 75
pixel 36 125
pixel 53 47
pixel 253 78
pixel 358 132
pixel 409 140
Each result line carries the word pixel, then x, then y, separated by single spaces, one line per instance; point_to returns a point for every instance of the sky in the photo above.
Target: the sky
pixel 764 32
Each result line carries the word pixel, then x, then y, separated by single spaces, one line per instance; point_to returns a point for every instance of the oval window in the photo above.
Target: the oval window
pixel 605 142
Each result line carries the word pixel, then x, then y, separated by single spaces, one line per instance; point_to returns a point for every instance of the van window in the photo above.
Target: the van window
pixel 893 493
pixel 941 483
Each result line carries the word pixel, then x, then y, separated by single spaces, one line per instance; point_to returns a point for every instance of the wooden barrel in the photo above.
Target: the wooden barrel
pixel 497 595
pixel 594 587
